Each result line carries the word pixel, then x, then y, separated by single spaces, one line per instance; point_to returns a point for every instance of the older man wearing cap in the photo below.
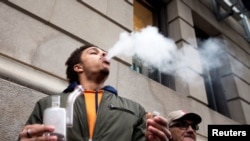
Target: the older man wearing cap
pixel 183 125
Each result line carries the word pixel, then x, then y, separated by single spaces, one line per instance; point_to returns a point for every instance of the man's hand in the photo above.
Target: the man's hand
pixel 35 132
pixel 157 128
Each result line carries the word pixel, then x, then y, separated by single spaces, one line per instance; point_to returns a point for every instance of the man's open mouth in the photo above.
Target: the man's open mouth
pixel 106 62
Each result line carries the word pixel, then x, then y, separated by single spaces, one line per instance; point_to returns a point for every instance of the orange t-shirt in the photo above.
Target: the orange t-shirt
pixel 92 100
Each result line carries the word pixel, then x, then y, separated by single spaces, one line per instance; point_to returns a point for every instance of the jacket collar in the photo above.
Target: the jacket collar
pixel 72 85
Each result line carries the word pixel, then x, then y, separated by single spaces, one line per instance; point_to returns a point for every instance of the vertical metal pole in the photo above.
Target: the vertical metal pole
pixel 246 26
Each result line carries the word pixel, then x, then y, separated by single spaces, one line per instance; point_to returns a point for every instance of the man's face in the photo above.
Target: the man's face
pixel 93 61
pixel 183 130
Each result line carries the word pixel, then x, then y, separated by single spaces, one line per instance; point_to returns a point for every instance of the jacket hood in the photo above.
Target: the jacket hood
pixel 72 86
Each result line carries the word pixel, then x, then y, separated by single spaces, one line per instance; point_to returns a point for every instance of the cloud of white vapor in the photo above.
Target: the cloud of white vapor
pixel 156 51
pixel 151 47
pixel 211 51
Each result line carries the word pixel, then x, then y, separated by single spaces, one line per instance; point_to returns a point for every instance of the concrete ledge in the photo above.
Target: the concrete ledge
pixel 30 77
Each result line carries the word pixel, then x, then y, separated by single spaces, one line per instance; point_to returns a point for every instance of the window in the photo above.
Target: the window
pixel 212 78
pixel 143 16
pixel 151 12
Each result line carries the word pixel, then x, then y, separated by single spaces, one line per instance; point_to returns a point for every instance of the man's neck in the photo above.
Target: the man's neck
pixel 91 85
pixel 92 81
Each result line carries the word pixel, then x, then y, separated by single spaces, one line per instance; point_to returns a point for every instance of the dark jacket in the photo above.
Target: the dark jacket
pixel 118 118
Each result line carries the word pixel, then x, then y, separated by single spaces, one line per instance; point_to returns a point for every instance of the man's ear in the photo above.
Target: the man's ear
pixel 78 68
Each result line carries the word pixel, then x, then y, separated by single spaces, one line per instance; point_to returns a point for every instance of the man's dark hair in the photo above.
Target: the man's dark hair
pixel 73 59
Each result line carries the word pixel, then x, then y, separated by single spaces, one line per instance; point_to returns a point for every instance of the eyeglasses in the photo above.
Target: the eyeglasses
pixel 185 125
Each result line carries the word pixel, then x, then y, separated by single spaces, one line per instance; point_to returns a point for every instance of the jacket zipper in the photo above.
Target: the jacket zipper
pixel 96 101
pixel 97 111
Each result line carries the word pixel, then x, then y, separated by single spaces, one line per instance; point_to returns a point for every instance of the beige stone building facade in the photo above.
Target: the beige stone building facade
pixel 37 36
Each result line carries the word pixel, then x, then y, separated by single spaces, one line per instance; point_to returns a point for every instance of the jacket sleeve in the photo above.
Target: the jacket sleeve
pixel 139 131
pixel 36 116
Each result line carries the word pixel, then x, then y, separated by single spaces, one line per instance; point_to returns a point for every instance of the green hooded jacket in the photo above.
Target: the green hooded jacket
pixel 118 118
